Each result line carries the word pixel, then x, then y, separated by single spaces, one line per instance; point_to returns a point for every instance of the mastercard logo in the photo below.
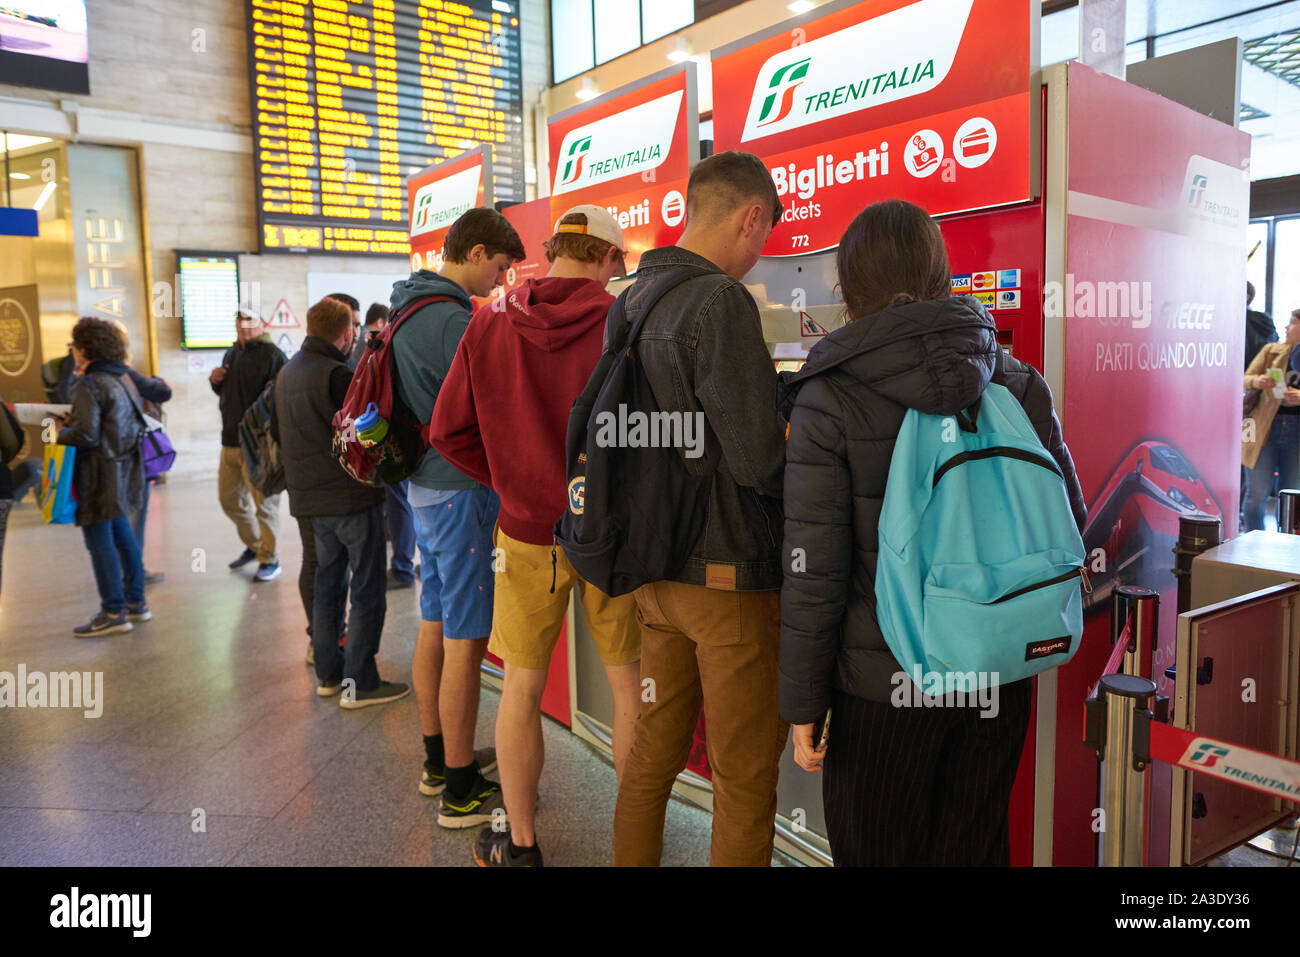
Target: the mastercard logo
pixel 983 280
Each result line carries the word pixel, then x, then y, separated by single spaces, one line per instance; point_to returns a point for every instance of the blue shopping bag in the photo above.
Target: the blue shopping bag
pixel 58 498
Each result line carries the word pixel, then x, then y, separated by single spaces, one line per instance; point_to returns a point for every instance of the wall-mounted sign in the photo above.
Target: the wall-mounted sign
pixel 923 100
pixel 282 317
pixel 18 313
pixel 437 196
pixel 630 151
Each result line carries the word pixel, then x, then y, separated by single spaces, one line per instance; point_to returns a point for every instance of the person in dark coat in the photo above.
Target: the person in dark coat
pixel 153 393
pixel 105 426
pixel 902 786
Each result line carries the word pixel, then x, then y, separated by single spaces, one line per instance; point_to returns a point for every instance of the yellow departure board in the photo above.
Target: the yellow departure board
pixel 352 96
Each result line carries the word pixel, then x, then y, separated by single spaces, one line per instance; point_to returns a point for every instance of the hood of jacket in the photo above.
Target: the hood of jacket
pixel 551 313
pixel 427 283
pixel 935 356
pixel 107 366
pixel 1260 325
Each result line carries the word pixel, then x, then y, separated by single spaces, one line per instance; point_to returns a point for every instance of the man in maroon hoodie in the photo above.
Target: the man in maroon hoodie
pixel 501 419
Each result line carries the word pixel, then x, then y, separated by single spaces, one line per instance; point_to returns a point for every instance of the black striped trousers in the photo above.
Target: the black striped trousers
pixel 922 786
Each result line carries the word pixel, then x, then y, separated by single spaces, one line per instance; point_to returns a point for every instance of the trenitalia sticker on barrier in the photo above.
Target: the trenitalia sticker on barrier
pixel 630 151
pixel 928 101
pixel 1230 762
pixel 436 197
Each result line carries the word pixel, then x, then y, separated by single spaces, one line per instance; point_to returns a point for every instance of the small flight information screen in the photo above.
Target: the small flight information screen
pixel 352 96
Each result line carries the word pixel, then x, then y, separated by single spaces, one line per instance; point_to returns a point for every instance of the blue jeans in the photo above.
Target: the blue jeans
pixel 401 532
pixel 346 542
pixel 115 556
pixel 1281 454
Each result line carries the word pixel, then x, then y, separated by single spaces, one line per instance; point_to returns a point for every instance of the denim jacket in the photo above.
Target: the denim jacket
pixel 702 349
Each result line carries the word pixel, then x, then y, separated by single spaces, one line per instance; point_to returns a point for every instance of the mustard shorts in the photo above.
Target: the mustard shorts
pixel 527 617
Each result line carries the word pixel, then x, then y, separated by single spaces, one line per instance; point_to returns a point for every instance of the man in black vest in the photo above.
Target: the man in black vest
pixel 347 518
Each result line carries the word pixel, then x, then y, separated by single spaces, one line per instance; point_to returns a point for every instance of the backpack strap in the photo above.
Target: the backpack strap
pixel 624 334
pixel 968 417
pixel 404 312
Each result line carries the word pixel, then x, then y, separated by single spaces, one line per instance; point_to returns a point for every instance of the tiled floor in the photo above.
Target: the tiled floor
pixel 213 747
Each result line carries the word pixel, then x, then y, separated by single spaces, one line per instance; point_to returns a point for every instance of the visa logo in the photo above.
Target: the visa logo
pixel 961 283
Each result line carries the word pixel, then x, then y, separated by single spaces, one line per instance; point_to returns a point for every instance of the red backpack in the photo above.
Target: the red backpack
pixel 399 455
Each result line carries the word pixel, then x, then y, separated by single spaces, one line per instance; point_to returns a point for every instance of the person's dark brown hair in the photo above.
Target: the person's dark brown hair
pixel 486 226
pixel 891 253
pixel 585 249
pixel 328 319
pixel 726 181
pixel 98 340
pixel 376 312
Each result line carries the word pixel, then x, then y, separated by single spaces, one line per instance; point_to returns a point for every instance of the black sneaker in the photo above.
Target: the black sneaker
pixel 434 778
pixel 248 556
pixel 103 624
pixel 492 849
pixel 138 611
pixel 475 808
pixel 385 692
pixel 328 688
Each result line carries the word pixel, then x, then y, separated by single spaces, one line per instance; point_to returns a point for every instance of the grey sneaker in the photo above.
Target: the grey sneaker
pixel 434 779
pixel 386 691
pixel 103 624
pixel 267 572
pixel 473 809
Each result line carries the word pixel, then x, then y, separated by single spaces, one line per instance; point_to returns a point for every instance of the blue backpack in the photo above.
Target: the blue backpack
pixel 980 563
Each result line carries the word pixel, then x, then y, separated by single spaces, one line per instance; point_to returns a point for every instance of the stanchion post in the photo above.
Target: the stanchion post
pixel 1288 511
pixel 1123 768
pixel 1143 606
pixel 1196 534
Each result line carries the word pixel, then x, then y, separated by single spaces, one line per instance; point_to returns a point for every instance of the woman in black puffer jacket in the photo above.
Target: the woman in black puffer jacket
pixel 105 425
pixel 902 785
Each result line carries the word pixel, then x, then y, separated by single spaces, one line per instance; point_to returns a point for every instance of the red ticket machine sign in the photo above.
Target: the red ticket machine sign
pixel 924 100
pixel 630 151
pixel 437 196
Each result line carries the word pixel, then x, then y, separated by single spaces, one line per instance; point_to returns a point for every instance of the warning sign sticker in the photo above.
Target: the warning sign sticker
pixel 282 317
pixel 809 327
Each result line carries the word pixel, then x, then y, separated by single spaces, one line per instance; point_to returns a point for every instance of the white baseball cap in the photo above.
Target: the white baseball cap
pixel 599 224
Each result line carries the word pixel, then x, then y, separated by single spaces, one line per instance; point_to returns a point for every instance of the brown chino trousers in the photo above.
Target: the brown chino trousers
pixel 702 646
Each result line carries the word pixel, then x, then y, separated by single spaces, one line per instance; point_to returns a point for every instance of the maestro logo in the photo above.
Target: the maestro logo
pixel 903 53
pixel 1207 754
pixel 440 203
pixel 630 141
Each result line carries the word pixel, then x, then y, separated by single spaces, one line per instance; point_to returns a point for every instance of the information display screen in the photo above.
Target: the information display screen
pixel 209 299
pixel 43 44
pixel 352 96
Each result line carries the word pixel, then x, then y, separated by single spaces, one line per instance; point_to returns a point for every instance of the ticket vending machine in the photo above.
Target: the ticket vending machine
pixel 1119 280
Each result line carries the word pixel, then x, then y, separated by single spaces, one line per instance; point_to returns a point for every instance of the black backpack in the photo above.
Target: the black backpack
pixel 634 514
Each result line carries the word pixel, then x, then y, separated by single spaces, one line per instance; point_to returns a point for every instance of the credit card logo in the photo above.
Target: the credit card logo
pixel 961 284
pixel 1008 278
pixel 1009 299
pixel 982 280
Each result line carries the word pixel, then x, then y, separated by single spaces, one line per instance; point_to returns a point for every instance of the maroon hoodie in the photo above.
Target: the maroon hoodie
pixel 503 409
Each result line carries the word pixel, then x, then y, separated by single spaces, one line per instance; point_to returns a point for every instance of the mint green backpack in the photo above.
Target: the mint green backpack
pixel 981 564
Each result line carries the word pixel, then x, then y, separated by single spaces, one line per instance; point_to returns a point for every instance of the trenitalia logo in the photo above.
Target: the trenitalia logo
pixel 631 141
pixel 888 58
pixel 1207 755
pixel 573 161
pixel 439 204
pixel 791 74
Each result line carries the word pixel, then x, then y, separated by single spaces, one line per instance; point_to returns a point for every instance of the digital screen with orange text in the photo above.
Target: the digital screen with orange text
pixel 350 97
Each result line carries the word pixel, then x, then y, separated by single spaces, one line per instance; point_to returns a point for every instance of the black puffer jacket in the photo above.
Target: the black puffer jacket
pixel 105 427
pixel 859 381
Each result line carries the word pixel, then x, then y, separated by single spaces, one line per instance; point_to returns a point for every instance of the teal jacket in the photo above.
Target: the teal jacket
pixel 422 352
